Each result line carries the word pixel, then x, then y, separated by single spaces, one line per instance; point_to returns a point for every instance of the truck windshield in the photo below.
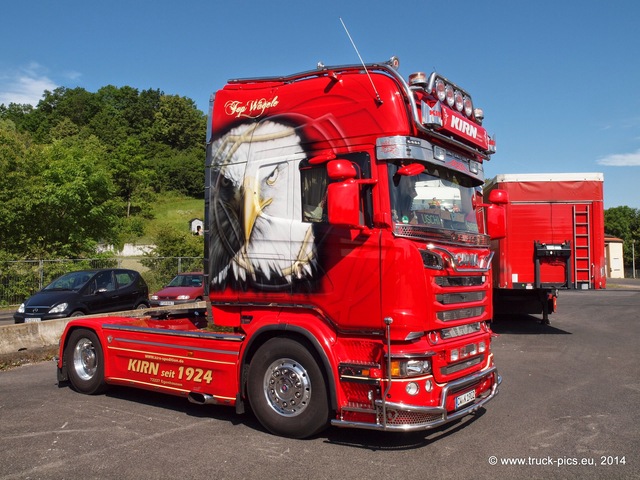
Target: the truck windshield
pixel 436 198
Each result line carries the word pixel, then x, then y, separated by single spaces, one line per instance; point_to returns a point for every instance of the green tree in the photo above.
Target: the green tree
pixel 181 172
pixel 82 167
pixel 624 222
pixel 69 207
pixel 18 114
pixel 132 175
pixel 14 178
pixel 124 112
pixel 178 123
pixel 75 104
pixel 169 243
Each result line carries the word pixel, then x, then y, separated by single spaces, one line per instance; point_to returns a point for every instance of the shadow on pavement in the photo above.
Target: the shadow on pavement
pixel 524 325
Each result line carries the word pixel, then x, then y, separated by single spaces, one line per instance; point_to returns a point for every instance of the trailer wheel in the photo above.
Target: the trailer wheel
pixel 287 390
pixel 84 359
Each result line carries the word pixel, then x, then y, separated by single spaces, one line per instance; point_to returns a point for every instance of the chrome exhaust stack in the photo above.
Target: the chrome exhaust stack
pixel 202 399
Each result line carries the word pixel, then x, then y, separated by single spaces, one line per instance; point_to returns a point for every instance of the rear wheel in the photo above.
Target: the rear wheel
pixel 287 390
pixel 84 359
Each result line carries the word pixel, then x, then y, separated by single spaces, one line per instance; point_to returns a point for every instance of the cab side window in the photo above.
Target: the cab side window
pixel 314 181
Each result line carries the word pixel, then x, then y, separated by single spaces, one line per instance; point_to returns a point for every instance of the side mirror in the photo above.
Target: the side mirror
pixel 499 197
pixel 341 170
pixel 496 222
pixel 343 203
pixel 496 214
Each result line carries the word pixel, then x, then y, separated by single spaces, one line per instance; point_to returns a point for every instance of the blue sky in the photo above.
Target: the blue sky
pixel 558 80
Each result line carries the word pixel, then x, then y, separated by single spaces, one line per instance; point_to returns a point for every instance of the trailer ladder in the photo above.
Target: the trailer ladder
pixel 582 246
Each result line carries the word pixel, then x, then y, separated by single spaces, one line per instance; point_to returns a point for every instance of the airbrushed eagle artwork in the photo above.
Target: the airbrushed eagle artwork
pixel 255 240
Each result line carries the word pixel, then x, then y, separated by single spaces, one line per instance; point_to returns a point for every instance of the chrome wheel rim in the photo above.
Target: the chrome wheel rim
pixel 287 387
pixel 85 360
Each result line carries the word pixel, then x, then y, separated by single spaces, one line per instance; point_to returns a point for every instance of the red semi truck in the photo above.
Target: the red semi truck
pixel 348 278
pixel 554 240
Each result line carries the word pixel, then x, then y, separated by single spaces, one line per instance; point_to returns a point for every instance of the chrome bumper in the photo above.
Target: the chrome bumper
pixel 401 417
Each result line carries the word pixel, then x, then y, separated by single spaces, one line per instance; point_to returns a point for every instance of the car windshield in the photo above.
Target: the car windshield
pixel 186 281
pixel 70 281
pixel 436 198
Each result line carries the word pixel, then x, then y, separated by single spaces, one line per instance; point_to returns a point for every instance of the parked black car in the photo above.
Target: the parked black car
pixel 84 293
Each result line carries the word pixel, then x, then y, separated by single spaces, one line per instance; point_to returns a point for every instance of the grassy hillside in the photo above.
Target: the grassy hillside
pixel 174 211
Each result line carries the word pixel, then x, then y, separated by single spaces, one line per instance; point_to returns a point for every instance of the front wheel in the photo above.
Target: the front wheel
pixel 84 359
pixel 287 390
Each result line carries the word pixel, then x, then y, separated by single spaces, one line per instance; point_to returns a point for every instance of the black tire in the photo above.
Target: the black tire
pixel 84 360
pixel 77 313
pixel 141 306
pixel 287 390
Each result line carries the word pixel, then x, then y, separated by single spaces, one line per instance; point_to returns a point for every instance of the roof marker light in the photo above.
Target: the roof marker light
pixel 394 62
pixel 458 101
pixel 440 90
pixel 449 93
pixel 468 106
pixel 479 114
pixel 418 79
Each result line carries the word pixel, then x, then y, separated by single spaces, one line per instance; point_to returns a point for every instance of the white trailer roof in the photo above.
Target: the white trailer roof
pixel 547 177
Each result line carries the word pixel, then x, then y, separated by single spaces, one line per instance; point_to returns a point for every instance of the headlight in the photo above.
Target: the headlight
pixel 21 308
pixel 410 368
pixel 412 388
pixel 431 259
pixel 59 308
pixel 183 297
pixel 153 297
pixel 455 355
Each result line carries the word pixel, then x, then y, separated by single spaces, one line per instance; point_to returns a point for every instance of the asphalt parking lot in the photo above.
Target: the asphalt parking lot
pixel 568 408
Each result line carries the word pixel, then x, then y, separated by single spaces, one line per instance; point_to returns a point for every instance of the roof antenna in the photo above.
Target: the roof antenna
pixel 378 99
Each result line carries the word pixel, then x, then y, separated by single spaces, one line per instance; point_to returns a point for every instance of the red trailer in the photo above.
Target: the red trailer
pixel 555 239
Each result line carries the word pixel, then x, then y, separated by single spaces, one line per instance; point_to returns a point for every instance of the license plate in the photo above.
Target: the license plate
pixel 164 304
pixel 465 398
pixel 32 319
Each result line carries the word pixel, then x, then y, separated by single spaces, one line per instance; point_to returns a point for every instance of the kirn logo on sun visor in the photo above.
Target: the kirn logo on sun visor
pixel 457 124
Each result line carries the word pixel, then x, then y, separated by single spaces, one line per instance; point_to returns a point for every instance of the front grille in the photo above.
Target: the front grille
pixel 474 281
pixel 459 314
pixel 37 310
pixel 462 297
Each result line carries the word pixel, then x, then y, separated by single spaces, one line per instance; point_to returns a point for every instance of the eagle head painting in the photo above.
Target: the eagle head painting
pixel 257 238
